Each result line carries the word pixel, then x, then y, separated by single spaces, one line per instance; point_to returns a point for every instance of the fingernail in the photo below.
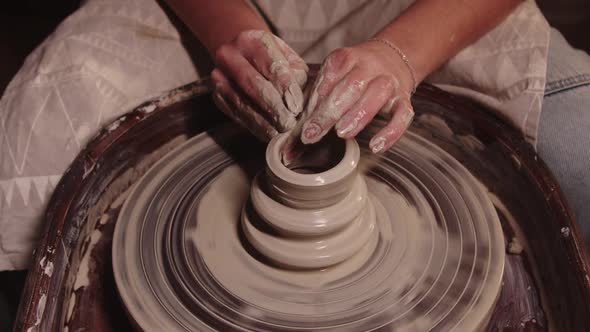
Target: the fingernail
pixel 377 144
pixel 347 129
pixel 310 131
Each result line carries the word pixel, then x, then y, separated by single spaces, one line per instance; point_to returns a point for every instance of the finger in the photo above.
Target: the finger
pixel 374 98
pixel 293 147
pixel 292 150
pixel 255 86
pixel 386 110
pixel 334 68
pixel 239 109
pixel 402 116
pixel 298 66
pixel 344 95
pixel 265 54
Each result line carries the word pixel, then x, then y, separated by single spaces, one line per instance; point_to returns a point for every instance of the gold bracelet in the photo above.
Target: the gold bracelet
pixel 402 55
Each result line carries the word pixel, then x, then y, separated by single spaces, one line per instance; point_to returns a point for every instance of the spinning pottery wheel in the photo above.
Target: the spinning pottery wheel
pixel 423 251
pixel 479 170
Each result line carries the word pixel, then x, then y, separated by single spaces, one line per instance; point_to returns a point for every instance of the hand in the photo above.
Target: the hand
pixel 353 85
pixel 258 82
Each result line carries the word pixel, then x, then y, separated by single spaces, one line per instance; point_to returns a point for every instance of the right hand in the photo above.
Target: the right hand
pixel 259 83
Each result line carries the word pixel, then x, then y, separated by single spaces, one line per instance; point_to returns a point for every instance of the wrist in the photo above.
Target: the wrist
pixel 411 49
pixel 216 23
pixel 399 53
pixel 232 33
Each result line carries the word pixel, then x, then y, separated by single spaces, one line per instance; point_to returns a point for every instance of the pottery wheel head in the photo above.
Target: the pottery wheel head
pixel 209 240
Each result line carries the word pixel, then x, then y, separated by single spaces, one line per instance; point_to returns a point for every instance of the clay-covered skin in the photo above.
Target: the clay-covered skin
pixel 435 261
pixel 353 85
pixel 259 82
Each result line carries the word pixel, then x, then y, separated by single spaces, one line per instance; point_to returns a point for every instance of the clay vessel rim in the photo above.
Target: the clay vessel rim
pixel 345 166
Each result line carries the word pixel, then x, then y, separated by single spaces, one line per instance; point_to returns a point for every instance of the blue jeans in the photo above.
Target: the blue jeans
pixel 564 128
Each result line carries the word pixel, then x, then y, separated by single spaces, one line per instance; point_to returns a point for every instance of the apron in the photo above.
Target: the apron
pixel 111 55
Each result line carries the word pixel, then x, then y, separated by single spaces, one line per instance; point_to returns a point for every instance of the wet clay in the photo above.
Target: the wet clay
pixel 502 162
pixel 193 247
pixel 305 219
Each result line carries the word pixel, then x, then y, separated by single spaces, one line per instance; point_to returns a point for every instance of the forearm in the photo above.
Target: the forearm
pixel 431 31
pixel 217 22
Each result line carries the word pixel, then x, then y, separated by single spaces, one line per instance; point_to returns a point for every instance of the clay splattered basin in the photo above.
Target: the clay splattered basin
pixel 551 274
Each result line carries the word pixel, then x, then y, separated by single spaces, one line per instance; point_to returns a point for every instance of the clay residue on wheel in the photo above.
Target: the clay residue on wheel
pixel 436 263
pixel 99 221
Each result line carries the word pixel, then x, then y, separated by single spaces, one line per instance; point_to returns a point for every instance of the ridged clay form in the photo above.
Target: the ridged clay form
pixel 300 219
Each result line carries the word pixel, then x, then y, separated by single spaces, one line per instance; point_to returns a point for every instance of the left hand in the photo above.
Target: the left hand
pixel 353 85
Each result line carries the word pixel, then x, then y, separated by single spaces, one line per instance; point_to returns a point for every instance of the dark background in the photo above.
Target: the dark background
pixel 25 24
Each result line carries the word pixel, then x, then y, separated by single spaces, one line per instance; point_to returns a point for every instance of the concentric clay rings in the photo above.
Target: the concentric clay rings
pixel 320 219
pixel 193 247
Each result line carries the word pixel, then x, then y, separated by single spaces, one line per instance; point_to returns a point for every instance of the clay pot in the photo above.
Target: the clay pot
pixel 294 188
pixel 316 219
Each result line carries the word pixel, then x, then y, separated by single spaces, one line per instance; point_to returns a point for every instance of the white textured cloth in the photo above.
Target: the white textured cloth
pixel 111 55
pixel 102 61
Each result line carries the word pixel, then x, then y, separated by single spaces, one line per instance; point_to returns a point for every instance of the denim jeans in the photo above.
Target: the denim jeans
pixel 564 128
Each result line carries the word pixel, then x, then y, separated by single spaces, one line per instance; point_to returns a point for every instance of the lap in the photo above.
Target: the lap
pixel 564 127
